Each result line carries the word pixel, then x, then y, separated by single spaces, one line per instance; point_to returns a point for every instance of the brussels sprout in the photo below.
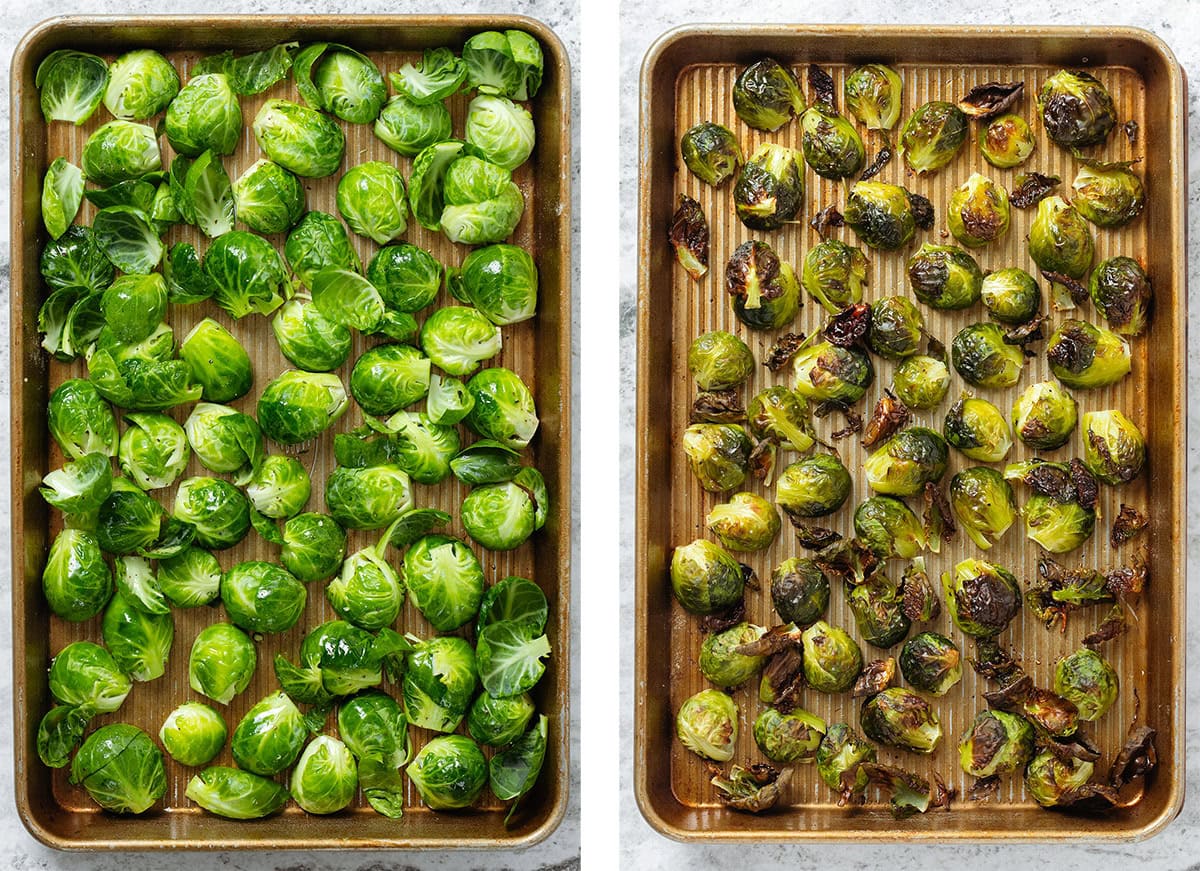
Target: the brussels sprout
pixel 449 772
pixel 193 734
pixel 141 84
pixel 77 582
pixel 318 242
pixel 269 198
pixel 374 728
pixel 722 664
pixel 337 79
pixel 832 147
pixel 308 339
pixel 223 439
pixel 372 199
pixel 128 521
pixel 121 768
pixel 880 214
pixel 458 338
pixel 799 591
pixel 448 401
pixel 1121 291
pixel 131 243
pixel 346 657
pixel 834 274
pixel 813 487
pixel 269 738
pixel 62 192
pixel 325 778
pixel 139 642
pixel 481 204
pixel 499 130
pixel 262 597
pixel 1056 526
pixel 832 660
pixel 508 63
pixel 218 362
pixel 873 93
pixel 1087 680
pixel 517 600
pixel 1044 416
pixel 707 724
pixel 889 527
pixel 368 593
pixel 509 656
pixel 426 182
pixel 120 150
pixel 298 406
pixel 389 377
pixel 70 85
pixel 499 721
pixel 718 453
pixel 982 598
pixel 85 676
pixel 1011 295
pixel 1114 449
pixel 824 371
pixel 408 128
pixel 439 683
pixel 1077 110
pixel 60 733
pixel 501 281
pixel 79 487
pixel 1060 239
pixel 153 450
pixel 299 139
pixel 978 211
pixel 133 306
pixel 236 795
pixel 368 498
pixel 906 462
pixel 705 578
pixel 932 136
pixel 439 75
pixel 205 115
pixel 977 429
pixel 314 546
pixel 763 289
pixel 70 318
pixel 983 503
pixel 445 580
pixel 746 522
pixel 896 328
pixel 1007 141
pixel 781 414
pixel 280 487
pixel 219 512
pixel 766 95
pixel 191 578
pixel 499 516
pixel 997 743
pixel 983 358
pixel 711 152
pixel 1108 195
pixel 186 279
pixel 921 382
pixel 135 581
pixel 1049 778
pixel 839 757
pixel 945 277
pixel 207 197
pixel 900 718
pixel 345 297
pixel 408 278
pixel 246 273
pixel 932 663
pixel 770 187
pixel 1086 357
pixel 788 738
pixel 504 409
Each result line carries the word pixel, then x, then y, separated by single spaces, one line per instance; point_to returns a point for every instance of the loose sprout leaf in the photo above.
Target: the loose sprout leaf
pixel 425 182
pixel 509 656
pixel 515 600
pixel 990 99
pixel 62 192
pixel 486 462
pixel 210 195
pixel 71 85
pixel 59 733
pixel 266 527
pixel 410 526
pixel 301 683
pixel 439 75
pixel 254 73
pixel 136 581
pixel 136 192
pixel 514 770
pixel 128 239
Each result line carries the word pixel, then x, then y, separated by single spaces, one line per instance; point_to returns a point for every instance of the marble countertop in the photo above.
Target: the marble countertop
pixel 1178 23
pixel 18 850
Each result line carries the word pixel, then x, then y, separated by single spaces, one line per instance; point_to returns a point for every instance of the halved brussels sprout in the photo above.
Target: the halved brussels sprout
pixel 945 277
pixel 881 214
pixel 498 722
pixel 76 262
pixel 191 578
pixel 799 591
pixel 508 63
pixel 873 93
pixel 921 382
pixel 932 663
pixel 153 450
pixel 314 546
pixel 839 762
pixel 346 658
pixel 978 211
pixel 983 358
pixel 762 288
pixel 782 414
pixel 1044 415
pixel 269 198
pixel 325 778
pixel 368 498
pixel 298 406
pixel 824 371
pixel 141 83
pixel 439 682
pixel 834 274
pixel 218 362
pixel 408 128
pixel 449 772
pixel 246 272
pixel 501 131
pixel 204 115
pixel 722 664
pixel 900 718
pixel 1086 357
pixel 309 340
pixel 1108 195
pixel 262 597
pixel 236 795
pixel 438 75
pixel 458 338
pixel 319 242
pixel 408 278
pixel 499 516
pixel 368 593
pixel 376 731
pixel 70 85
pixel 770 188
pixel 387 378
pixel 997 743
pixel 746 522
pixel 337 79
pixel 832 659
pixel 193 734
pixel 501 281
pixel 372 199
pixel 1121 291
pixel 832 147
pixel 118 151
pixel 280 487
pixel 889 527
pixel 877 609
pixel 932 136
pixel 444 579
pixel 299 139
pixel 128 520
pixel 220 513
pixel 139 642
pixel 224 440
pixel 481 202
pixel 982 598
pixel 718 453
pixel 1114 449
pixel 707 724
pixel 906 462
pixel 121 768
pixel 76 581
pixel 711 152
pixel 1007 141
pixel 1076 108
pixel 813 487
pixel 705 578
pixel 1086 679
pixel 766 95
pixel 896 328
pixel 79 487
pixel 1060 239
pixel 977 429
pixel 1049 778
pixel 1059 527
pixel 788 738
pixel 504 409
pixel 269 737
pixel 983 502
pixel 137 583
pixel 85 676
pixel 1011 295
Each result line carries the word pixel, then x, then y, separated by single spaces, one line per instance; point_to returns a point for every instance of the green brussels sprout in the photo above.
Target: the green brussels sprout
pixel 337 79
pixel 280 487
pixel 834 274
pixel 224 440
pixel 932 136
pixel 388 378
pixel 439 683
pixel 1114 449
pixel 139 642
pixel 889 527
pixel 79 487
pixel 501 281
pixel 982 598
pixel 896 328
pixel 766 95
pixel 832 660
pixel 1085 679
pixel 746 522
pixel 269 737
pixel 770 187
pixel 1087 357
pixel 191 578
pixel 408 278
pixel 707 724
pixel 481 202
pixel 193 734
pixel 978 211
pixel 345 297
pixel 1011 295
pixel 983 503
pixel 408 128
pixel 763 289
pixel 299 139
pixel 509 655
pixel 1058 527
pixel 711 152
pixel 368 593
pixel 705 578
pixel 236 795
pixel 219 512
pixel 1007 141
pixel 508 63
pixel 314 546
pixel 516 600
pixel 722 664
pixel 118 151
pixel 499 130
pixel 1048 778
pixel 839 759
pixel 1077 109
pixel 187 282
pixel 77 582
pixel 1044 416
pixel 1060 239
pixel 977 429
pixel 824 371
pixel 1108 195
pixel 449 772
pixel 504 409
pixel 921 382
pixel 128 521
pixel 499 516
pixel 781 414
pixel 372 199
pixel 262 597
pixel 269 198
pixel 444 579
pixel 983 358
pixel 218 362
pixel 880 214
pixel 309 340
pixel 153 450
pixel 133 306
pixel 59 734
pixel 130 241
pixel 448 401
pixel 1121 291
pixel 873 93
pixel 76 262
pixel 246 272
pixel 900 718
pixel 319 242
pixel 205 115
pixel 832 147
pixel 813 487
pixel 298 406
pixel 325 778
pixel 997 743
pixel 344 656
pixel 374 728
pixel 424 449
pixel 788 738
pixel 368 498
pixel 85 676
pixel 906 462
pixel 878 612
pixel 458 338
pixel 135 581
pixel 121 768
pixel 498 722
pixel 799 591
pixel 141 83
pixel 70 85
pixel 945 277
pixel 932 663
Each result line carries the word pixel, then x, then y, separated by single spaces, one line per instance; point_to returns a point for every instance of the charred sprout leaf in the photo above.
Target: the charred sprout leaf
pixel 1130 129
pixel 1121 291
pixel 1032 188
pixel 984 789
pixel 1128 524
pixel 782 680
pixel 994 662
pixel 821 84
pixel 1026 334
pixel 1059 591
pixel 711 152
pixel 1077 109
pixel 770 187
pixel 1127 581
pixel 1007 142
pixel 853 425
pixel 890 415
pixel 1076 290
pixel 762 460
pixel 754 789
pixel 766 95
pixel 826 218
pixel 939 520
pixel 918 598
pixel 814 537
pixel 1137 758
pixel 1044 709
pixel 724 620
pixel 849 327
pixel 783 349
pixel 990 99
pixel 922 210
pixel 873 93
pixel 1113 626
pixel 878 162
pixel 909 793
pixel 763 288
pixel 718 406
pixel 839 762
pixel 689 237
pixel 877 676
pixel 932 136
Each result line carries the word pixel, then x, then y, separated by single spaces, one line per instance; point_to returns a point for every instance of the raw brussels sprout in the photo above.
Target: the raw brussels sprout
pixel 219 512
pixel 218 362
pixel 314 546
pixel 707 724
pixel 79 487
pixel 458 338
pixel 439 683
pixel 889 527
pixel 1077 110
pixel 408 128
pixel 121 768
pixel 387 378
pixel 118 151
pixel 722 664
pixel 880 214
pixel 449 772
pixel 368 593
pixel 141 83
pixel 223 439
pixel 448 401
pixel 509 655
pixel 325 778
pixel 770 187
pixel 70 85
pixel 983 503
pixel 900 718
pixel 318 242
pixel 298 406
pixel 422 448
pixel 873 93
pixel 1086 357
pixel 839 759
pixel 832 660
pixel 77 582
pixel 500 131
pixel 481 204
pixel 60 733
pixel 85 676
pixel 896 328
pixel 1085 679
pixel 269 198
pixel 368 498
pixel 997 743
pixel 139 642
pixel 711 152
pixel 781 414
pixel 1060 239
pixel 982 598
pixel 308 339
pixel 1058 527
pixel 978 211
pixel 788 738
pixel 932 663
pixel 921 382
pixel 508 63
pixel 408 278
pixel 813 487
pixel 515 600
pixel 193 734
pixel 299 139
pixel 977 429
pixel 372 199
pixel 498 722
pixel 1048 778
pixel 1044 416
pixel 222 662
pixel 337 79
pixel 136 582
pixel 269 738
pixel 153 450
pixel 444 579
pixel 501 281
pixel 834 274
pixel 1108 195
pixel 133 306
pixel 186 279
pixel 945 277
pixel 436 77
pixel 76 262
pixel 1007 141
pixel 719 455
pixel 374 728
pixel 504 410
pixel 877 609
pixel 499 516
pixel 280 487
pixel 205 115
pixel 1121 291
pixel 983 358
pixel 345 657
pixel 746 522
pixel 762 288
pixel 128 521
pixel 262 597
pixel 1114 449
pixel 906 462
pixel 191 578
pixel 832 147
pixel 705 578
pixel 766 95
pixel 345 297
pixel 236 795
pixel 1011 295
pixel 932 136
pixel 799 591
pixel 62 192
pixel 130 241
pixel 824 371
pixel 246 273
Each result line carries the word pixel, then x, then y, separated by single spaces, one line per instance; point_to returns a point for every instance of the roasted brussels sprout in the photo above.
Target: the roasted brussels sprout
pixel 813 487
pixel 219 512
pixel 235 794
pixel 977 429
pixel 80 420
pixel 881 214
pixel 325 778
pixel 707 724
pixel 121 768
pixel 921 382
pixel 1007 141
pixel 711 152
pixel 298 406
pixel 439 683
pixel 1086 357
pixel 832 147
pixel 982 598
pixel 722 664
pixel 269 198
pixel 719 455
pixel 719 360
pixel 770 187
pixel 1011 295
pixel 85 676
pixel 788 738
pixel 139 642
pixel 839 757
pixel 705 578
pixel 889 527
pixel 932 663
pixel 1060 239
pixel 449 772
pixel 497 722
pixel 1044 416
pixel 1114 449
pixel 978 211
pixel 906 462
pixel 781 414
pixel 834 274
pixel 1057 526
pixel 824 371
pixel 1076 108
pixel 222 662
pixel 300 139
pixel 76 581
pixel 1121 291
pixel 983 503
pixel 832 660
pixel 1108 195
pixel 270 737
pixel 997 743
pixel 945 277
pixel 799 591
pixel 746 522
pixel 766 95
pixel 896 328
pixel 983 358
pixel 932 135
pixel 1087 680
pixel 878 611
pixel 900 718
pixel 1050 778
pixel 193 734
pixel 262 597
pixel 873 93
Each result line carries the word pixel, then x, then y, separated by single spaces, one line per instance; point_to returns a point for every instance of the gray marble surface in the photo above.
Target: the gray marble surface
pixel 1178 23
pixel 18 851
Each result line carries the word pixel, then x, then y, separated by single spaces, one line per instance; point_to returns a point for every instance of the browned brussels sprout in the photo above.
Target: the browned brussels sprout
pixel 873 93
pixel 825 371
pixel 906 462
pixel 1114 449
pixel 997 743
pixel 1011 295
pixel 977 429
pixel 839 759
pixel 978 211
pixel 878 612
pixel 983 358
pixel 932 136
pixel 881 214
pixel 921 382
pixel 932 663
pixel 788 738
pixel 813 487
pixel 832 660
pixel 834 274
pixel 983 503
pixel 1120 290
pixel 945 277
pixel 1044 416
pixel 719 454
pixel 799 591
pixel 1059 527
pixel 889 527
pixel 763 288
pixel 711 152
pixel 1108 195
pixel 770 188
pixel 1060 239
pixel 719 361
pixel 1077 109
pixel 722 664
pixel 1085 357
pixel 1007 141
pixel 781 414
pixel 896 328
pixel 831 145
pixel 900 718
pixel 1087 680
pixel 746 522
pixel 1053 780
pixel 982 598
pixel 689 237
pixel 766 95
pixel 705 578
pixel 707 724
pixel 754 789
